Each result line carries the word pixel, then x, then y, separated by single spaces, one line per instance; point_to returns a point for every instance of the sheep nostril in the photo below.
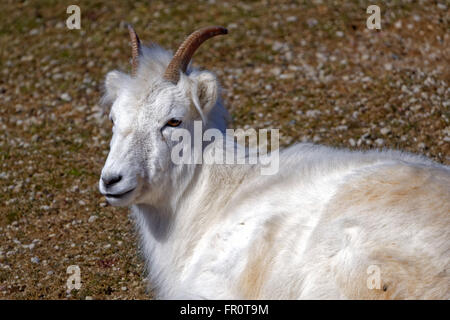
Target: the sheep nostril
pixel 111 180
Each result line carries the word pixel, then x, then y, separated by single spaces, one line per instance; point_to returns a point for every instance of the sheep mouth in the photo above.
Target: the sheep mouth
pixel 119 195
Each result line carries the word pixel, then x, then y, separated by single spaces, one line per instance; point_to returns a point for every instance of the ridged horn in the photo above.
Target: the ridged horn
pixel 184 54
pixel 135 50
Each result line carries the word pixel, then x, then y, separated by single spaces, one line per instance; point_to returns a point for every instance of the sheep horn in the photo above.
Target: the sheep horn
pixel 184 54
pixel 135 50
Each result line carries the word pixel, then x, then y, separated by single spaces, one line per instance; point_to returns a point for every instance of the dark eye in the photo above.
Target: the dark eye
pixel 112 121
pixel 173 122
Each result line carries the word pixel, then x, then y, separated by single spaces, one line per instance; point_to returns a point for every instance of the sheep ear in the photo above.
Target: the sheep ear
pixel 112 84
pixel 207 90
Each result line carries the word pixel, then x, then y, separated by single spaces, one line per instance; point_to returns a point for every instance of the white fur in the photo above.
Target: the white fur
pixel 227 232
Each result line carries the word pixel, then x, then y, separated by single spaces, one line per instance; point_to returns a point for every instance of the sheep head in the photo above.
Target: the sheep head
pixel 163 94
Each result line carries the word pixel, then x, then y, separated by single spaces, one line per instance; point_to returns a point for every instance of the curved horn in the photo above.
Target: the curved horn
pixel 135 50
pixel 187 49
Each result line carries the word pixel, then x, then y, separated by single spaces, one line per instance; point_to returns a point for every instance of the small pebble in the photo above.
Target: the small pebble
pixel 352 142
pixel 379 142
pixel 385 131
pixel 66 97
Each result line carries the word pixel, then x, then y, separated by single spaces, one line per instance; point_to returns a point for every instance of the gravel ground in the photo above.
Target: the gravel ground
pixel 310 68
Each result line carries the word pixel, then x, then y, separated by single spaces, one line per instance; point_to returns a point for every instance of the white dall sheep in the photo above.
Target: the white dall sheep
pixel 331 224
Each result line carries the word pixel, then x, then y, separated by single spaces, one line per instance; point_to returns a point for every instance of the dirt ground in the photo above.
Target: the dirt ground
pixel 310 68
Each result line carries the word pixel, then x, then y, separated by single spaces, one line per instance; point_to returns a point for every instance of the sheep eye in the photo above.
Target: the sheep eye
pixel 173 123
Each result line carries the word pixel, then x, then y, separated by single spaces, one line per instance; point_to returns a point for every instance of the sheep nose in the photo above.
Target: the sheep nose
pixel 110 180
